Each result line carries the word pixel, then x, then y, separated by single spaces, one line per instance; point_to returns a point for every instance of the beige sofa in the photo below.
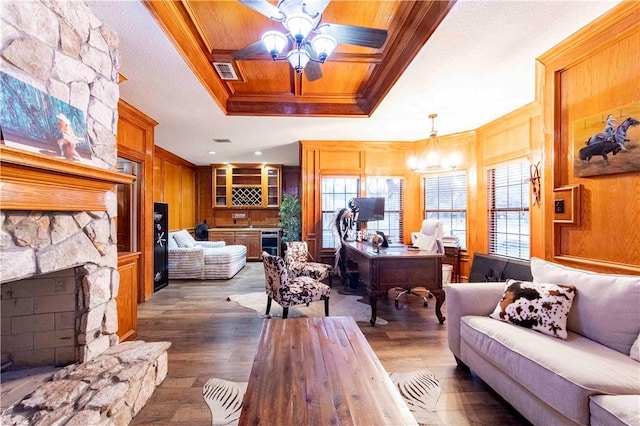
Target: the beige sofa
pixel 589 378
pixel 203 260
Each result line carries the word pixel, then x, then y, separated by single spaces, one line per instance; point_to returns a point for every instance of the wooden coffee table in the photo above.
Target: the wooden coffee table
pixel 319 371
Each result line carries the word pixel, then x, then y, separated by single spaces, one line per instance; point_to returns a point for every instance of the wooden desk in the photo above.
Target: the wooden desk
pixel 319 371
pixel 396 267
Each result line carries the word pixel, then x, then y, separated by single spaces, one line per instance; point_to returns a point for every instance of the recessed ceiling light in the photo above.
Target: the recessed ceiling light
pixel 258 153
pixel 212 152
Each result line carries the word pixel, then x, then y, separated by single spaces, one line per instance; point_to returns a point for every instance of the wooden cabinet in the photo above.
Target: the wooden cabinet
pixel 251 238
pixel 220 196
pixel 127 299
pixel 273 186
pixel 228 237
pixel 246 185
pixel 452 257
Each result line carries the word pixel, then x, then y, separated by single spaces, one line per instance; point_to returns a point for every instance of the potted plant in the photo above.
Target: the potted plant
pixel 290 219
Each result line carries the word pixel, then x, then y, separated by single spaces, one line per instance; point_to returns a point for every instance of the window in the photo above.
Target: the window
pixel 508 203
pixel 391 190
pixel 336 193
pixel 445 199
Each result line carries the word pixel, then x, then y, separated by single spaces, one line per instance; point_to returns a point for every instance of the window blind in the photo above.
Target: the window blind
pixel 508 210
pixel 336 191
pixel 391 189
pixel 445 199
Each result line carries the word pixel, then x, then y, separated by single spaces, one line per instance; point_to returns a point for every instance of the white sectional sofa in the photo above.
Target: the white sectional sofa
pixel 203 260
pixel 591 378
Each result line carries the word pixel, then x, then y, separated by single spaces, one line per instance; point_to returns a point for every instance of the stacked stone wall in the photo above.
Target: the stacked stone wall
pixel 61 48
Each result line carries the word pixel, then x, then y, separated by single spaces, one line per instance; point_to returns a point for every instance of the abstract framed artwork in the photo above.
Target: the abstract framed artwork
pixel 35 121
pixel 607 142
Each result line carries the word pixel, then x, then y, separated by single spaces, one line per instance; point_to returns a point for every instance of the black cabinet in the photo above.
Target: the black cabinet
pixel 160 252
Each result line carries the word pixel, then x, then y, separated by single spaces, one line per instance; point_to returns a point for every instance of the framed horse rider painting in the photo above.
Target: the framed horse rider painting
pixel 607 142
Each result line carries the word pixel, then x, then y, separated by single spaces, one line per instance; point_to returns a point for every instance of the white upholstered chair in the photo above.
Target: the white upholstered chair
pixel 429 239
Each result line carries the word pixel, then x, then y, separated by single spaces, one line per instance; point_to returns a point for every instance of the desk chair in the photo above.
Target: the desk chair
pixel 428 239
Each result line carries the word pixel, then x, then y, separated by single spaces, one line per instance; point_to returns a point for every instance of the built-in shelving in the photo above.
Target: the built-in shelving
pixel 273 187
pixel 220 187
pixel 247 185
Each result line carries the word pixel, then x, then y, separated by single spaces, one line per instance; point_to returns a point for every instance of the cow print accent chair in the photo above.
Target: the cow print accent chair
pixel 287 290
pixel 297 260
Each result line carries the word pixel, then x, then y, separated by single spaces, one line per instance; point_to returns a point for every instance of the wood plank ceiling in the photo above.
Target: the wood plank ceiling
pixel 355 79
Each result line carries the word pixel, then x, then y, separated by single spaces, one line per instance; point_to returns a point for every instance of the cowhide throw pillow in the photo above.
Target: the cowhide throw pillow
pixel 635 349
pixel 541 307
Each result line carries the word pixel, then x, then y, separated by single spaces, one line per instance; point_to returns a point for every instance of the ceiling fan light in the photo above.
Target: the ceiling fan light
pixel 324 45
pixel 299 25
pixel 275 42
pixel 298 59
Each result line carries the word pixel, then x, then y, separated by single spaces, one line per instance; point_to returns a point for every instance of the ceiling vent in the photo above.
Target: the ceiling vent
pixel 225 70
pixel 222 140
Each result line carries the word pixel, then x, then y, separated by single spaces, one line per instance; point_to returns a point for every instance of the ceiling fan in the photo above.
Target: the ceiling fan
pixel 311 41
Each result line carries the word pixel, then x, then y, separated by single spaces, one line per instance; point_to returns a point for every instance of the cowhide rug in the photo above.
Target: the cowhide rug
pixel 224 399
pixel 420 390
pixel 340 305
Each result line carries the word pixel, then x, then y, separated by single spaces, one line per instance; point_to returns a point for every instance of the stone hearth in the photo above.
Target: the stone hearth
pixel 108 390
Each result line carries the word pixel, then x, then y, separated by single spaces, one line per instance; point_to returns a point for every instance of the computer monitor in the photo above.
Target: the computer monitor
pixel 370 208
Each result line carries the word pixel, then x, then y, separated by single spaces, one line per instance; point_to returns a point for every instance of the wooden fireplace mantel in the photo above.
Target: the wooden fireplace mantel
pixel 31 181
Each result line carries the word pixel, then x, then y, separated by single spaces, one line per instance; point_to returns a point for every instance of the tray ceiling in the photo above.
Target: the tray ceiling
pixel 355 79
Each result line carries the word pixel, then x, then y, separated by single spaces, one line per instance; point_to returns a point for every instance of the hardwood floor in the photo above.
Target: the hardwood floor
pixel 213 337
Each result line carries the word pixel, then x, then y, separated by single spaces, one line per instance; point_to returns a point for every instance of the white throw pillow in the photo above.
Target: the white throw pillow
pixel 606 306
pixel 540 307
pixel 635 349
pixel 184 239
pixel 171 243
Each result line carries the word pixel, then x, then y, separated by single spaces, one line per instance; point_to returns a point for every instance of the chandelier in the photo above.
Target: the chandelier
pixel 304 49
pixel 433 160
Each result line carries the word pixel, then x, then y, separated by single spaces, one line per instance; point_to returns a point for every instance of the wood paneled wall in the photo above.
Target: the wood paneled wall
pixel 515 136
pixel 135 143
pixel 175 184
pixel 291 180
pixel 204 200
pixel 359 159
pixel 594 71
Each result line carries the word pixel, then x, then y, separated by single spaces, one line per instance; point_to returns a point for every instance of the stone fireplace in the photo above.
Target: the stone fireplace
pixel 58 255
pixel 57 214
pixel 66 310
